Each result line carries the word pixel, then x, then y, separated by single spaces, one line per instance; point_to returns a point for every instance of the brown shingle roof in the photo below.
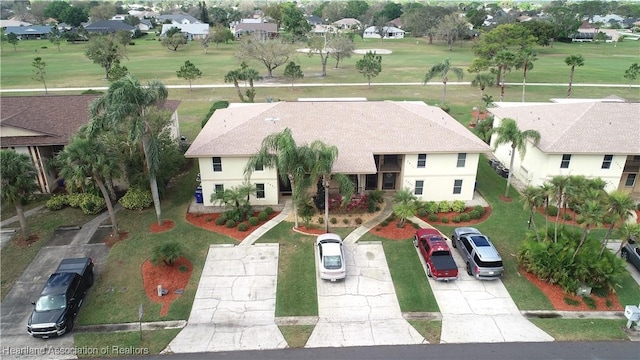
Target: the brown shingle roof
pixel 591 128
pixel 357 129
pixel 55 117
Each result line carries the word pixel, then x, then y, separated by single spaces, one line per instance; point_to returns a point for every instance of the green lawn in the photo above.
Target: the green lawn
pixel 583 329
pixel 119 344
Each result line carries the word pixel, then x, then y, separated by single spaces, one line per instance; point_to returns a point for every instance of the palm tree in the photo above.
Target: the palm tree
pixel 232 77
pixel 482 80
pixel 533 197
pixel 236 199
pixel 405 205
pixel 89 157
pixel 628 231
pixel 325 156
pixel 619 206
pixel 504 60
pixel 250 75
pixel 127 102
pixel 524 61
pixel 592 214
pixel 508 132
pixel 547 192
pixel 441 70
pixel 573 61
pixel 558 185
pixel 17 179
pixel 292 162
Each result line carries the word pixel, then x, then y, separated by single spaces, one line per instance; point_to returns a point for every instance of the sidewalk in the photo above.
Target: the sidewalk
pixel 356 234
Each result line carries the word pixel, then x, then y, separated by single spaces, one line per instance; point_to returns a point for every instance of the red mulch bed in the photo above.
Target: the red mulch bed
pixel 505 199
pixel 393 232
pixel 208 222
pixel 170 277
pixel 166 226
pixel 23 243
pixel 483 115
pixel 449 215
pixel 574 217
pixel 556 296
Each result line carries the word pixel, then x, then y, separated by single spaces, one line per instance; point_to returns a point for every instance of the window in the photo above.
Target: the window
pixel 260 193
pixel 457 186
pixel 606 162
pixel 422 160
pixel 419 187
pixel 217 164
pixel 219 188
pixel 564 164
pixel 631 180
pixel 462 159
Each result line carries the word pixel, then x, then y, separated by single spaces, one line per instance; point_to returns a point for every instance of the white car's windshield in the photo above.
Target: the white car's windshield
pixel 51 302
pixel 332 262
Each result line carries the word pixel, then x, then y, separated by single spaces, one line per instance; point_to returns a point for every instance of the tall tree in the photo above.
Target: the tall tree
pixel 12 39
pixel 370 65
pixel 504 60
pixel 524 61
pixel 292 161
pixel 481 81
pixel 293 72
pixel 104 51
pixel 55 36
pixel 273 11
pixel 131 104
pixel 533 197
pixel 117 71
pixel 103 11
pixel 234 77
pixel 509 133
pixel 573 61
pixel 39 71
pixel 441 70
pixel 591 213
pixel 189 72
pixel 294 21
pixel 322 46
pixel 90 157
pixel 343 47
pixel 404 205
pixel 271 53
pixel 204 13
pixel 17 177
pixel 559 185
pixel 221 35
pixel 632 73
pixel 451 28
pixel 619 206
pixel 244 73
pixel 174 41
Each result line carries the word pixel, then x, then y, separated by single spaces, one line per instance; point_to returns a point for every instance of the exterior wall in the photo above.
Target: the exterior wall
pixel 232 175
pixel 439 175
pixel 8 131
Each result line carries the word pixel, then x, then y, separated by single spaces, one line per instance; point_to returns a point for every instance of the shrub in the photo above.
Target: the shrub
pixel 433 217
pixel 552 210
pixel 74 200
pixel 607 219
pixel 384 222
pixel 230 224
pixel 474 214
pixel 333 220
pixel 167 252
pixel 415 226
pixel 243 227
pixel 432 207
pixel 320 219
pixel 566 216
pixel 588 300
pixel 253 221
pixel 480 209
pixel 444 206
pixel 209 218
pixel 458 206
pixel 376 196
pixel 422 212
pixel 580 220
pixel 358 221
pixel 444 220
pixel 136 199
pixel 345 221
pixel 570 301
pixel 92 204
pixel 465 217
pixel 455 219
pixel 269 210
pixel 56 202
pixel 221 220
pixel 262 216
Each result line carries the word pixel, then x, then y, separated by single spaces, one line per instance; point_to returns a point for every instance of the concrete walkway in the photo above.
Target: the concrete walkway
pixel 255 235
pixel 356 234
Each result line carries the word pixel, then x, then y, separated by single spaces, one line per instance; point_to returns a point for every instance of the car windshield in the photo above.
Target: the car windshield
pixel 441 253
pixel 332 262
pixel 51 302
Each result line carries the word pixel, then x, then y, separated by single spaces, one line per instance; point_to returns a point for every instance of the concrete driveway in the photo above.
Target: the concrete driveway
pixel 363 309
pixel 475 311
pixel 234 307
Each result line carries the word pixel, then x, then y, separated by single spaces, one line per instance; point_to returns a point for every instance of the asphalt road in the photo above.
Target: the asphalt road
pixel 512 351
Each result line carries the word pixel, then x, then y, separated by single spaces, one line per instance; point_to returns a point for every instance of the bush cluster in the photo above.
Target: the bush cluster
pixel 221 220
pixel 444 206
pixel 136 199
pixel 474 214
pixel 552 210
pixel 358 221
pixel 465 217
pixel 433 217
pixel 455 218
pixel 333 220
pixel 444 220
pixel 253 221
pixel 458 206
pixel 90 204
pixel 57 202
pixel 479 209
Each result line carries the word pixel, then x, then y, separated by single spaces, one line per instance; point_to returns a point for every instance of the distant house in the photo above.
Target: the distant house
pixel 109 26
pixel 397 22
pixel 322 29
pixel 262 30
pixel 389 32
pixel 178 18
pixel 314 20
pixel 41 126
pixel 347 23
pixel 29 32
pixel 144 25
pixel 191 31
pixel 7 23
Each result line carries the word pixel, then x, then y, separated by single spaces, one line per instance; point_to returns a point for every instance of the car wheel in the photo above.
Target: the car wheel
pixel 453 241
pixel 429 271
pixel 624 254
pixel 415 242
pixel 90 280
pixel 469 269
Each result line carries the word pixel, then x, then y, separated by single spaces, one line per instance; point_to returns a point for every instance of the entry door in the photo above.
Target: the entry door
pixel 389 181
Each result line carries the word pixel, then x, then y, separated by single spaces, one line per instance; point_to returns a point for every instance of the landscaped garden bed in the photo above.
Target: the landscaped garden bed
pixel 211 222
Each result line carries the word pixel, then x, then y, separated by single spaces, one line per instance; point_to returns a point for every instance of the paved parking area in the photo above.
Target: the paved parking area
pixel 363 309
pixel 234 307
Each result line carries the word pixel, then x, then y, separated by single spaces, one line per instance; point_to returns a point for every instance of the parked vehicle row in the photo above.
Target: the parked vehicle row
pixel 436 254
pixel 481 258
pixel 631 253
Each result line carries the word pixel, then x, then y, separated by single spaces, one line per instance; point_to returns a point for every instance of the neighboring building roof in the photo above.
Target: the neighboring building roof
pixel 179 18
pixel 28 30
pixel 266 27
pixel 193 29
pixel 6 23
pixel 55 117
pixel 574 128
pixel 385 30
pixel 109 26
pixel 347 22
pixel 358 129
pixel 314 20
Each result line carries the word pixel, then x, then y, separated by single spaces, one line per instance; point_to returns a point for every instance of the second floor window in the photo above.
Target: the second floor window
pixel 606 162
pixel 422 160
pixel 462 159
pixel 217 164
pixel 564 164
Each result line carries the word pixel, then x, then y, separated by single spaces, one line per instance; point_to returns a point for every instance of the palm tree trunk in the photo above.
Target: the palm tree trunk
pixel 107 199
pixel 444 92
pixel 237 86
pixel 22 219
pixel 570 82
pixel 605 241
pixel 582 240
pixel 153 184
pixel 325 183
pixel 524 84
pixel 533 223
pixel 294 198
pixel 555 234
pixel 513 154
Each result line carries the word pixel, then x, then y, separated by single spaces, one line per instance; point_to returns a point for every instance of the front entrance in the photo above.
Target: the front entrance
pixel 285 188
pixel 389 181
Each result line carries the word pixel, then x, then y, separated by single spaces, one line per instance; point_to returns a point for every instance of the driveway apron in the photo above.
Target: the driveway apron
pixel 234 307
pixel 363 309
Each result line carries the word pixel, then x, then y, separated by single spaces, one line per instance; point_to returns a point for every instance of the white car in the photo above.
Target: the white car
pixel 331 257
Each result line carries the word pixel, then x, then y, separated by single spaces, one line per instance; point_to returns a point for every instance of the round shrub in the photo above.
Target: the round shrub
pixel 474 214
pixel 92 204
pixel 552 210
pixel 262 216
pixel 74 200
pixel 566 217
pixel 415 225
pixel 320 219
pixel 480 209
pixel 455 219
pixel 221 220
pixel 136 199
pixel 422 212
pixel 444 220
pixel 358 221
pixel 56 202
pixel 333 220
pixel 345 221
pixel 458 206
pixel 168 253
pixel 444 206
pixel 243 227
pixel 230 224
pixel 465 217
pixel 580 220
pixel 269 210
pixel 432 207
pixel 253 221
pixel 433 217
pixel 384 222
